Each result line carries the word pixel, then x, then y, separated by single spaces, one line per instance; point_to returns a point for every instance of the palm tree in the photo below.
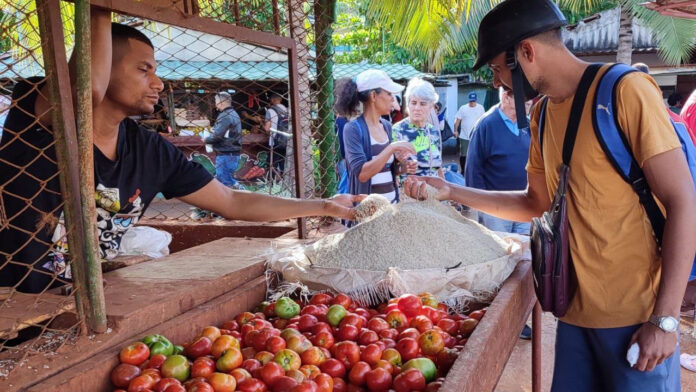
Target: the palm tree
pixel 445 27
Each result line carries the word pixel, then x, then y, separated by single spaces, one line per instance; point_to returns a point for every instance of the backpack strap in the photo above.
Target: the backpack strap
pixel 616 146
pixel 542 121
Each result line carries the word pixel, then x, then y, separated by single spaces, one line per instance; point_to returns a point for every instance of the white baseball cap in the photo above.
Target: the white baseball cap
pixel 374 78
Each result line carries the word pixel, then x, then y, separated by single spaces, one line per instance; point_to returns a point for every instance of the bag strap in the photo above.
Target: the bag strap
pixel 576 111
pixel 616 146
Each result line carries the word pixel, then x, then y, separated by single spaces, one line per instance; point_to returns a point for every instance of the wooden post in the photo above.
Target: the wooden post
pixel 96 316
pixel 82 238
pixel 324 17
pixel 536 347
pixel 294 97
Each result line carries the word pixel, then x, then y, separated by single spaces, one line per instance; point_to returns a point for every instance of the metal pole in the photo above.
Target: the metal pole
pixel 536 347
pixel 325 15
pixel 96 315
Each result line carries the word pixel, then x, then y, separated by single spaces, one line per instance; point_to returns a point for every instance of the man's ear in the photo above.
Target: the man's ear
pixel 526 51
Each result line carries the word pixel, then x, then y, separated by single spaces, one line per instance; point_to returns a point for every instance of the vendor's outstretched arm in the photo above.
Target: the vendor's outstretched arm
pixel 257 207
pixel 519 206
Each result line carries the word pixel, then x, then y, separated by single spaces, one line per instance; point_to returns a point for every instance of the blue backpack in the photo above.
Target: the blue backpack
pixel 617 149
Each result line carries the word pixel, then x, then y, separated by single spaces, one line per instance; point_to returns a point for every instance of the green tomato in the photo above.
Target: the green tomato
pixel 286 308
pixel 158 344
pixel 176 366
pixel 335 314
pixel 424 365
pixel 178 349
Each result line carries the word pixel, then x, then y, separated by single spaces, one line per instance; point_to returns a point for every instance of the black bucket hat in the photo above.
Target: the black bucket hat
pixel 512 21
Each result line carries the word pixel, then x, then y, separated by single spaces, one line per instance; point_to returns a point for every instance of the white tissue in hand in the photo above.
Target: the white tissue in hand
pixel 632 354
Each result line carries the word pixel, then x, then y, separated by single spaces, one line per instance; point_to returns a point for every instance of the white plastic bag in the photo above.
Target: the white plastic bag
pixel 144 240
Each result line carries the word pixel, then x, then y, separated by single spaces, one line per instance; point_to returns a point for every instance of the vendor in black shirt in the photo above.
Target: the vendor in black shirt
pixel 131 165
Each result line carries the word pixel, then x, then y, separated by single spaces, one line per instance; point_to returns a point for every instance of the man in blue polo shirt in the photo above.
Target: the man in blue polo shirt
pixel 497 156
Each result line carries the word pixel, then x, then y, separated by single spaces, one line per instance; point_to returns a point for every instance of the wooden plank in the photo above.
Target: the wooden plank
pixel 93 373
pixel 123 261
pixel 483 359
pixel 21 310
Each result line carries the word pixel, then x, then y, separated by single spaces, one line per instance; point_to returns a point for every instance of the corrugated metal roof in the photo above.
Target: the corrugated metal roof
pixel 600 34
pixel 226 70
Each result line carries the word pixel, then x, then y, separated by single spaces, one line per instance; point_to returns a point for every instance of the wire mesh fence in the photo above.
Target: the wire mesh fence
pixel 36 313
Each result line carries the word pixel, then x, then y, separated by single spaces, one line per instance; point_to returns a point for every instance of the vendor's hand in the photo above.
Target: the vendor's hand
pixel 655 346
pixel 411 166
pixel 456 134
pixel 415 187
pixel 402 147
pixel 341 206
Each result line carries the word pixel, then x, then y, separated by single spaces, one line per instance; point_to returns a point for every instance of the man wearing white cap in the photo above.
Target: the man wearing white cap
pixel 466 116
pixel 372 160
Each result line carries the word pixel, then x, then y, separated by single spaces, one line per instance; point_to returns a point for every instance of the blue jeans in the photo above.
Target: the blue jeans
pixel 225 167
pixel 497 224
pixel 594 360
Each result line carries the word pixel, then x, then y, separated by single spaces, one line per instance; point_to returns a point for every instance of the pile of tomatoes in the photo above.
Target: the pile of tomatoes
pixel 328 344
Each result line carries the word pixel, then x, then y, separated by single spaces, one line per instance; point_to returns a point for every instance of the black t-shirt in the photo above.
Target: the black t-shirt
pixel 31 219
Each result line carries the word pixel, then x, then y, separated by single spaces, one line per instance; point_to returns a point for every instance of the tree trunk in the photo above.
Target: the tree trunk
pixel 296 18
pixel 625 49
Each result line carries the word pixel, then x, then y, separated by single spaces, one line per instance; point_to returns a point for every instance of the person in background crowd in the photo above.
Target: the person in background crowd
pixel 415 129
pixel 688 114
pixel 341 122
pixel 629 290
pixel 674 116
pixel 675 102
pixel 371 157
pixel 226 139
pixel 464 121
pixel 5 102
pixel 498 154
pixel 396 113
pixel 277 118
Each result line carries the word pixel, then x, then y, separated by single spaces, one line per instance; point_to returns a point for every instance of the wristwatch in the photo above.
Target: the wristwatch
pixel 666 323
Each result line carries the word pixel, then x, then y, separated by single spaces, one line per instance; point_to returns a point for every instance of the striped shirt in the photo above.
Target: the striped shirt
pixel 383 182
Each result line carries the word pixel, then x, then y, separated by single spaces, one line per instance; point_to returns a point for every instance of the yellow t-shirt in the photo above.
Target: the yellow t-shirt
pixel 616 258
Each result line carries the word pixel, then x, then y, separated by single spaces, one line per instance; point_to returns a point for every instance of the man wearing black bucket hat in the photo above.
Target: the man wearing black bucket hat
pixel 629 289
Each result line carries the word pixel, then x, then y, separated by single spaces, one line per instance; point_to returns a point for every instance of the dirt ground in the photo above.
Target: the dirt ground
pixel 517 376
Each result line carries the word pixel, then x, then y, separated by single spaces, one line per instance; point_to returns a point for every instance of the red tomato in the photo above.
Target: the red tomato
pixel 339 385
pixel 476 314
pixel 244 318
pixel 135 354
pixel 252 366
pixel 392 356
pixel 306 386
pixel 348 332
pixel 334 368
pixel 141 383
pixel 431 342
pixel 240 374
pixel 371 354
pixel 222 344
pixel 324 383
pixel 307 321
pixel 270 372
pixel 408 348
pixel 284 384
pixel 397 319
pixel 155 362
pixel 386 365
pixel 378 380
pixel 410 304
pixel 408 333
pixel 357 373
pixel 175 388
pixel 348 353
pixel 201 386
pixel 343 300
pixel 252 385
pixel 165 383
pixel 200 347
pixel 445 359
pixel 321 299
pixel 313 356
pixel 421 323
pixel 448 325
pixel 388 343
pixel 323 339
pixel 410 380
pixel 122 375
pixel 222 382
pixel 275 344
pixel 231 325
pixel 321 327
pixel 377 324
pixel 352 319
pixel 467 326
pixel 367 337
pixel 390 333
pixel 202 367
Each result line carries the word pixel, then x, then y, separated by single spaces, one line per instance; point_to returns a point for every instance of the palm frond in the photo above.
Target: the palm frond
pixel 675 36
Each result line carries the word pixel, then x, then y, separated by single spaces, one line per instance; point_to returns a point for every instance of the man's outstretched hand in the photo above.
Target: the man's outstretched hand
pixel 341 206
pixel 415 187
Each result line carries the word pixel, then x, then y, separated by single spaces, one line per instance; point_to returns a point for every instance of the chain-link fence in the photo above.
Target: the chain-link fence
pixel 37 313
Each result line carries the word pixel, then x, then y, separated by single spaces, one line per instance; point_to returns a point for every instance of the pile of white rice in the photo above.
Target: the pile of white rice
pixel 408 235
